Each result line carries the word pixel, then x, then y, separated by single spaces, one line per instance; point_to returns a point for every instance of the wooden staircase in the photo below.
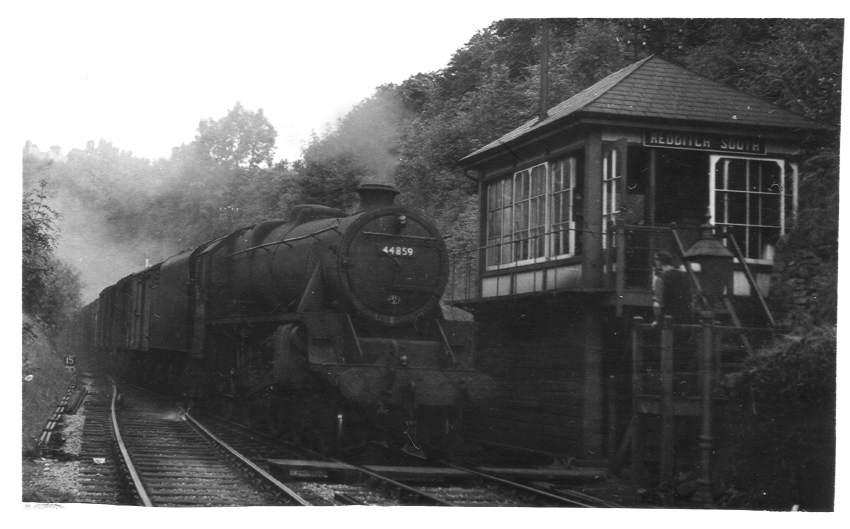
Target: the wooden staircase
pixel 677 371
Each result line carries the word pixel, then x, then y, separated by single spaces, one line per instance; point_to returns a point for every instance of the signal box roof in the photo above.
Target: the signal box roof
pixel 653 89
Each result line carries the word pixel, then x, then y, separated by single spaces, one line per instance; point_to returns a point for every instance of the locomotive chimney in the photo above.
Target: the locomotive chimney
pixel 376 195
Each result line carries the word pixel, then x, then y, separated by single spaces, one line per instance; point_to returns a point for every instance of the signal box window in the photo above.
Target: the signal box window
pixel 530 215
pixel 753 200
pixel 562 177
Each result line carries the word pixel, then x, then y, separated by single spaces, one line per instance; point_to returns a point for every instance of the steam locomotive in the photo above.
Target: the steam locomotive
pixel 324 327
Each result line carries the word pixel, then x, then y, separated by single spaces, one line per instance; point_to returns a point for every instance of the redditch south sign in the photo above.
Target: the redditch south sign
pixel 703 142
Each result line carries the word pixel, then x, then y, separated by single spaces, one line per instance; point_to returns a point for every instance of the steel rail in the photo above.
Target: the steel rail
pixel 407 488
pixel 365 471
pixel 134 475
pixel 247 462
pixel 519 486
pixel 594 499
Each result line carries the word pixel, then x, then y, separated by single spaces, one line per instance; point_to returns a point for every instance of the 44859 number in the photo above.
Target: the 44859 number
pixel 398 251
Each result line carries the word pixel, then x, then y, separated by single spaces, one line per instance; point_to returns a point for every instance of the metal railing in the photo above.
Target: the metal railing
pixel 626 257
pixel 467 266
pixel 628 252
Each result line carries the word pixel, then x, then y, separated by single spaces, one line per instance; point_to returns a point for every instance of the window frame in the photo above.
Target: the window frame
pixel 571 163
pixel 784 224
pixel 546 237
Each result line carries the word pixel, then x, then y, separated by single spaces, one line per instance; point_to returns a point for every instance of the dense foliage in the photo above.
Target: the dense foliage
pixel 784 427
pixel 50 288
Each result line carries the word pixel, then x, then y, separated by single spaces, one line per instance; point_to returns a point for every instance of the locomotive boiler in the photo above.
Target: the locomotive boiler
pixel 324 327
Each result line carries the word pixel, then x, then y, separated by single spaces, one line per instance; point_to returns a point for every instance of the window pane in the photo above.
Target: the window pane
pixel 557 208
pixel 557 176
pixel 557 240
pixel 521 185
pixel 737 174
pixel 507 192
pixel 770 211
pixel 494 220
pixel 506 222
pixel 737 203
pixel 521 249
pixel 564 200
pixel 754 209
pixel 753 243
pixel 538 180
pixel 770 181
pixel 769 238
pixel 507 255
pixel 740 234
pixel 492 254
pixel 538 246
pixel 538 211
pixel 521 217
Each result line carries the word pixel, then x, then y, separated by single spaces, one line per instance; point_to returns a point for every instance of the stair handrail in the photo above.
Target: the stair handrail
pixel 750 278
pixel 730 308
pixel 680 248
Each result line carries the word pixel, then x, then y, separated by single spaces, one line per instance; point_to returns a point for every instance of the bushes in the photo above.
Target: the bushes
pixel 783 423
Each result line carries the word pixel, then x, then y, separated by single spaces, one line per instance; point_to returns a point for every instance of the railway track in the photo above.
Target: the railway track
pixel 328 481
pixel 160 456
pixel 102 478
pixel 174 461
pixel 318 479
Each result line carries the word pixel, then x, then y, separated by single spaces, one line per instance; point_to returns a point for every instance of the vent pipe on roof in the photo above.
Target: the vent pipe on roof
pixel 544 70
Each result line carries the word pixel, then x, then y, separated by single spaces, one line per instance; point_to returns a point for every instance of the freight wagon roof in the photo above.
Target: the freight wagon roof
pixel 653 88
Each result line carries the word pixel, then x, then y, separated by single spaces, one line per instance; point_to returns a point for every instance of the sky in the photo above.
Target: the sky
pixel 143 74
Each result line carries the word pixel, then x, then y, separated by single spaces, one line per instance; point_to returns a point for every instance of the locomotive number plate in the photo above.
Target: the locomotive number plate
pixel 397 251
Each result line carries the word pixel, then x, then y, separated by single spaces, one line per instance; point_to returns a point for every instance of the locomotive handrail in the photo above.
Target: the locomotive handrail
pixel 449 350
pixel 399 236
pixel 287 241
pixel 360 354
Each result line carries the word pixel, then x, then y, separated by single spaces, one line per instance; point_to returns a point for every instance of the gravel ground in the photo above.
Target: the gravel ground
pixel 56 479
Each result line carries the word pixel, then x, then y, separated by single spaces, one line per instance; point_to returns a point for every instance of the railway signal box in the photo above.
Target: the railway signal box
pixel 575 203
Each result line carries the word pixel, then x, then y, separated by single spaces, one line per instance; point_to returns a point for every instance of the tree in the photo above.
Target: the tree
pixel 38 237
pixel 50 289
pixel 241 139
